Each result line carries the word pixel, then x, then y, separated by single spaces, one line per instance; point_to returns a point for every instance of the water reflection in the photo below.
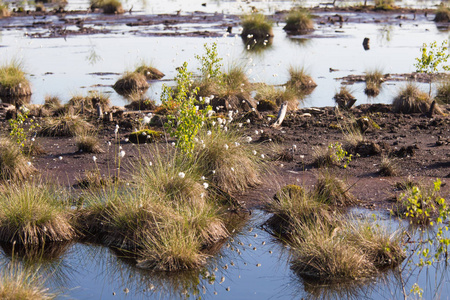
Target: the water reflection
pixel 254 45
pixel 47 259
pixel 385 34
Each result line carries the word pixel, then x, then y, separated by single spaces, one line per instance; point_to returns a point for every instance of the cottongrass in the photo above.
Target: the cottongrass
pixel 166 217
pixel 34 214
pixel 14 165
pixel 234 169
pixel 256 26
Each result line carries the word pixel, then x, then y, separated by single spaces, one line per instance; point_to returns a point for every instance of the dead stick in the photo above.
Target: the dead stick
pixel 281 115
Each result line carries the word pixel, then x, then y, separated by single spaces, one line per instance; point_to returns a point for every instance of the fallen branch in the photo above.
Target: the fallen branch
pixel 281 115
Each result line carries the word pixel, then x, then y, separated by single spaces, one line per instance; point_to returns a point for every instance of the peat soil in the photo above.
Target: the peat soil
pixel 61 23
pixel 417 144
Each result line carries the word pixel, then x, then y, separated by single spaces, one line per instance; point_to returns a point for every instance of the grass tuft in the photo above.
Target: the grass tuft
pixel 108 6
pixel 65 125
pixel 443 92
pixel 330 190
pixel 34 214
pixel 344 98
pixel 299 21
pixel 300 80
pixel 256 26
pixel 150 72
pixel 88 143
pixel 4 11
pixel 442 13
pixel 13 164
pixel 20 283
pixel 374 79
pixel 411 99
pixel 227 160
pixel 267 94
pixel 131 82
pixel 13 82
pixel 388 167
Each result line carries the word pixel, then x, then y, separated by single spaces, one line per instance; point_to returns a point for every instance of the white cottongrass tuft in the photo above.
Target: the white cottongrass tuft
pixel 121 154
pixel 181 174
pixel 94 158
pixel 205 185
pixel 248 139
pixel 226 147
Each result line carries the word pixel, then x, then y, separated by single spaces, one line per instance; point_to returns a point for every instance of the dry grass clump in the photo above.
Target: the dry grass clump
pixel 320 252
pixel 80 104
pixel 94 180
pixel 300 80
pixel 345 250
pixel 141 104
pixel 443 92
pixel 19 283
pixel 383 248
pixel 167 218
pixel 256 26
pixel 13 163
pixel 267 94
pixel 34 214
pixel 411 99
pixel 227 160
pixel 4 11
pixel 108 6
pixel 293 205
pixel 442 13
pixel 374 79
pixel 13 82
pixel 53 104
pixel 299 21
pixel 384 4
pixel 65 125
pixel 131 82
pixel 172 249
pixel 150 72
pixel 388 167
pixel 344 98
pixel 88 143
pixel 330 190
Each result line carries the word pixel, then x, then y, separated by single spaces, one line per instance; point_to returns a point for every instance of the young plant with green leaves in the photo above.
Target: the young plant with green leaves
pixel 187 112
pixel 433 59
pixel 18 132
pixel 210 63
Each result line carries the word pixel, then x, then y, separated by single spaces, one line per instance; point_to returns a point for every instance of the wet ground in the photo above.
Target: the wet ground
pixel 73 52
